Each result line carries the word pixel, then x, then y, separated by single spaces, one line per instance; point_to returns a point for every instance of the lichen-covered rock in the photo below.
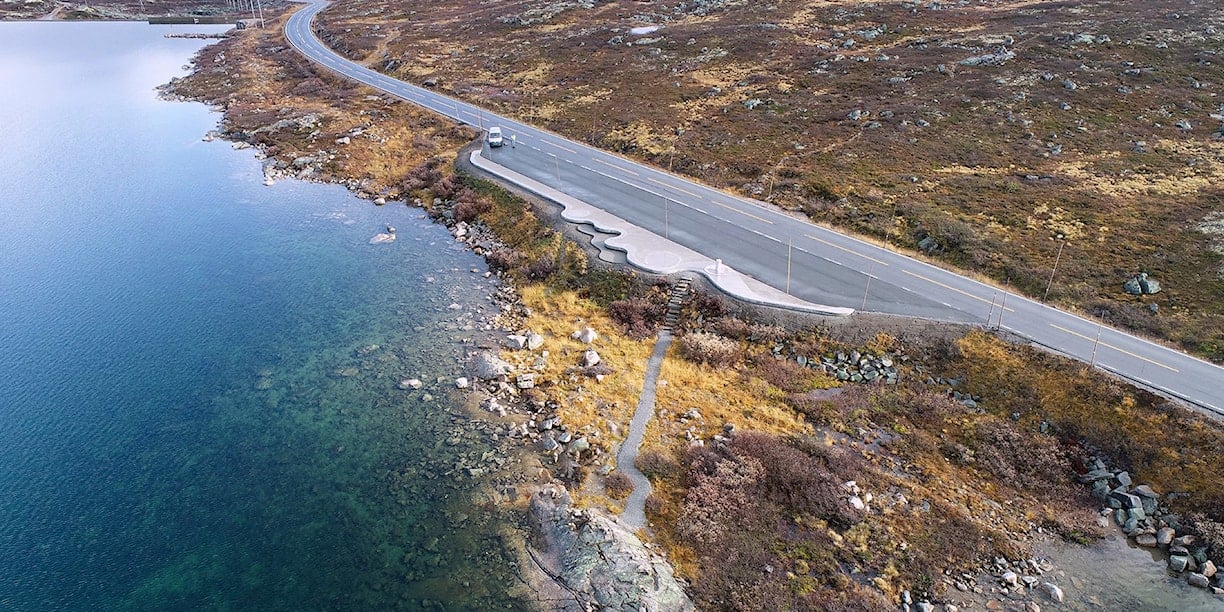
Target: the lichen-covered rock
pixel 598 563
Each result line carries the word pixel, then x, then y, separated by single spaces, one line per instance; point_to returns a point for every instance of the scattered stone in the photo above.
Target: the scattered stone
pixel 515 341
pixel 590 358
pixel 1198 580
pixel 1146 540
pixel 488 366
pixel 534 341
pixel 585 335
pixel 1010 578
pixel 1164 536
pixel 409 383
pixel 1052 591
pixel 1179 563
pixel 525 381
pixel 1208 569
pixel 461 383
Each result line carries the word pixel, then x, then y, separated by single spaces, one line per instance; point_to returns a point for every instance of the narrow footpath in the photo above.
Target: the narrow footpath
pixel 634 515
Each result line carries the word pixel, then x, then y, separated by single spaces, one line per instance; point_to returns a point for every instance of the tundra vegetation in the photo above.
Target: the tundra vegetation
pixel 807 491
pixel 989 135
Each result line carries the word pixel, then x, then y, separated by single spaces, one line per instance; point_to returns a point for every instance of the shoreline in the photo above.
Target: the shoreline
pixel 312 173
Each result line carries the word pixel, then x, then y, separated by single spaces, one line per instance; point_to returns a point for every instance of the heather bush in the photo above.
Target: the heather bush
pixel 504 259
pixel 709 348
pixel 657 465
pixel 543 267
pixel 1025 460
pixel 618 484
pixel 785 374
pixel 467 211
pixel 638 317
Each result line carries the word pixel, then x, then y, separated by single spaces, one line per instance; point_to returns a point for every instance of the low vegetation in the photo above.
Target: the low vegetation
pixel 989 135
pixel 762 513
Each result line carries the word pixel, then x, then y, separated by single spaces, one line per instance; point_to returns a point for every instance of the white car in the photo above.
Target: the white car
pixel 495 137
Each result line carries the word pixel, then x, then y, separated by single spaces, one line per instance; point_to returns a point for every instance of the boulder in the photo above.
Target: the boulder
pixel 590 358
pixel 1053 591
pixel 1010 578
pixel 1198 580
pixel 1178 563
pixel 534 341
pixel 488 366
pixel 525 381
pixel 1146 540
pixel 1209 568
pixel 585 335
pixel 1123 479
pixel 1164 536
pixel 1148 284
pixel 1126 501
pixel 515 341
pixel 461 383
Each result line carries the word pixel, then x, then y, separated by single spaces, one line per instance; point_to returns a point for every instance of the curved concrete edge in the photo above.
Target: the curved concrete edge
pixel 656 254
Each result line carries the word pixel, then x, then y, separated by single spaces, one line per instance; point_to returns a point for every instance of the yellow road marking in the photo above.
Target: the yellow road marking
pixel 746 214
pixel 1107 345
pixel 658 182
pixel 965 293
pixel 607 163
pixel 850 251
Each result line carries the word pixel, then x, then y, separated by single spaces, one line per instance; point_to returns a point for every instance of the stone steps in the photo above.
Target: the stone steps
pixel 678 298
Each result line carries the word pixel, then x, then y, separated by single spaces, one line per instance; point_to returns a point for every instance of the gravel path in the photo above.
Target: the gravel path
pixel 634 515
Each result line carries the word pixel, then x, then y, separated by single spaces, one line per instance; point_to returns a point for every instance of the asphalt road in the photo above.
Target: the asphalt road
pixel 811 262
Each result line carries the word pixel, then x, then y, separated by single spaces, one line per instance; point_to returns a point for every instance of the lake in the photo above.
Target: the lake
pixel 198 400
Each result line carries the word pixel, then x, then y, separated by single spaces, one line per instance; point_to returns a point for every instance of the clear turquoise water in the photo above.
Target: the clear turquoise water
pixel 187 417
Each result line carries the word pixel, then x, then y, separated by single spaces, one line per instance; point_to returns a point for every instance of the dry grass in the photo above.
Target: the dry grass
pixel 584 402
pixel 964 154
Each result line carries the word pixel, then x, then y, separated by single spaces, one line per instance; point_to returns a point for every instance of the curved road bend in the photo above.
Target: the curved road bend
pixel 814 263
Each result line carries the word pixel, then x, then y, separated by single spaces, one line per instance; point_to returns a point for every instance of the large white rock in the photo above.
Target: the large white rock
pixel 461 383
pixel 1053 591
pixel 590 358
pixel 534 341
pixel 585 335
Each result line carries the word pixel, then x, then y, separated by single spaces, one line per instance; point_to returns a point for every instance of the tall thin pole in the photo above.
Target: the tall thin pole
pixel 1061 244
pixel 1002 308
pixel 990 313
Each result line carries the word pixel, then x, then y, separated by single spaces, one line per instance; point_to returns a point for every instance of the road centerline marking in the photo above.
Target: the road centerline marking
pixel 951 288
pixel 850 251
pixel 1107 345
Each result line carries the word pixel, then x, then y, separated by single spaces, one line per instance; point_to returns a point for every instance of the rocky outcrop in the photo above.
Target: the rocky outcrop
pixel 1141 284
pixel 595 563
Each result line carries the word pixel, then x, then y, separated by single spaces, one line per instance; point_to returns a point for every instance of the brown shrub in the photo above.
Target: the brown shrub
pixel 468 210
pixel 504 258
pixel 709 348
pixel 784 374
pixel 543 267
pixel 1026 460
pixel 638 317
pixel 618 484
pixel 657 465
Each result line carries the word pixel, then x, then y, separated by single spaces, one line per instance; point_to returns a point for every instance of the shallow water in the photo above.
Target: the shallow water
pixel 1115 574
pixel 197 373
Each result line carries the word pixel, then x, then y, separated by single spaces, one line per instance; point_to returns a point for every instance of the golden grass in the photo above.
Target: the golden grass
pixel 721 395
pixel 584 401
